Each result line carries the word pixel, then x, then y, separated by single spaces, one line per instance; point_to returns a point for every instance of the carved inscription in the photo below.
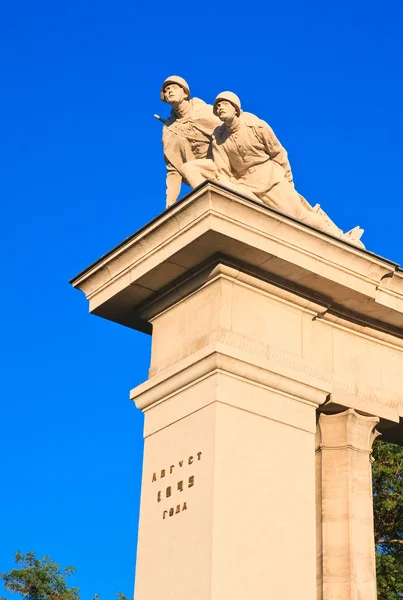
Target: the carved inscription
pixel 178 480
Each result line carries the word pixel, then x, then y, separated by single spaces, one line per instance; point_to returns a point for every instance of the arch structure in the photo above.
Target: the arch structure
pixel 277 358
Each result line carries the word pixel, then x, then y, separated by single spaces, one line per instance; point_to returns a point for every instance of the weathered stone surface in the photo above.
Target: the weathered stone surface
pixel 345 525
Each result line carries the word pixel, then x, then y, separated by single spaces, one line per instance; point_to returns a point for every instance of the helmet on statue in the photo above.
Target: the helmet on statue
pixel 174 79
pixel 229 97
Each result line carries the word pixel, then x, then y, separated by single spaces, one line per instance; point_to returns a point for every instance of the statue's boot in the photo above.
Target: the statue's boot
pixel 324 222
pixel 354 236
pixel 314 215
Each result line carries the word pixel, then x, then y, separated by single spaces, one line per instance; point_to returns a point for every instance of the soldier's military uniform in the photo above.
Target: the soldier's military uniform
pixel 248 157
pixel 252 158
pixel 186 138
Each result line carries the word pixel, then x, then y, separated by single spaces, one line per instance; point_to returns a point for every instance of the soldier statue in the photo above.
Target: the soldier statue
pixel 244 154
pixel 187 134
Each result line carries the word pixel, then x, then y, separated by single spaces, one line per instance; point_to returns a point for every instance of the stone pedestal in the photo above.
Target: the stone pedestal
pixel 229 471
pixel 345 525
pixel 257 321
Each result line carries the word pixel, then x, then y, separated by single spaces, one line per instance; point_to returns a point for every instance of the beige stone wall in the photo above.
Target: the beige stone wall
pixel 263 509
pixel 251 499
pixel 362 370
pixel 174 558
pixel 259 358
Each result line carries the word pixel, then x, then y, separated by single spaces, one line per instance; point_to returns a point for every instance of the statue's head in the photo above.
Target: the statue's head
pixel 174 90
pixel 227 105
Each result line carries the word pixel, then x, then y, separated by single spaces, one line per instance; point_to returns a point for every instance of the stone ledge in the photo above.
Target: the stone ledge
pixel 213 220
pixel 270 389
pixel 219 357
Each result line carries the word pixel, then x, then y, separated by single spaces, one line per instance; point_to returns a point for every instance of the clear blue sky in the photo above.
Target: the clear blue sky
pixel 81 168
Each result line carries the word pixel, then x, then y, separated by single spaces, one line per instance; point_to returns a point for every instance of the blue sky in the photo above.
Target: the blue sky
pixel 81 168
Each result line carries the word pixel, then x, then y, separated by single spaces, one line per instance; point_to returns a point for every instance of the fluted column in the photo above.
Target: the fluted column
pixel 345 538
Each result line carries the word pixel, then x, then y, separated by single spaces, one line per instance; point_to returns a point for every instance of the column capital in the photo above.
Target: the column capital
pixel 348 429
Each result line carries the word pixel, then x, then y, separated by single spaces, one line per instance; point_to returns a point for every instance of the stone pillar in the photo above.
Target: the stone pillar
pixel 345 537
pixel 228 492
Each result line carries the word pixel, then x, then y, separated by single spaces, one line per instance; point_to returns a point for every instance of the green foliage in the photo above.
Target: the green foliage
pixel 42 579
pixel 387 479
pixel 121 596
pixel 39 579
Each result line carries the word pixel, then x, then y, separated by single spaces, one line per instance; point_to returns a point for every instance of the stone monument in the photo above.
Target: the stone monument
pixel 277 358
